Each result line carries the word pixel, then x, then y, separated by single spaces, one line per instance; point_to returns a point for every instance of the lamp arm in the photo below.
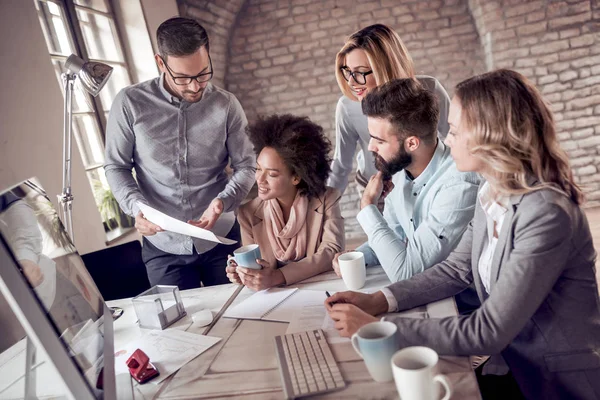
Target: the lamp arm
pixel 66 197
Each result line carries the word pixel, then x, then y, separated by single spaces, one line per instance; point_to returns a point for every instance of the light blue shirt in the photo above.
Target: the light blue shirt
pixel 423 219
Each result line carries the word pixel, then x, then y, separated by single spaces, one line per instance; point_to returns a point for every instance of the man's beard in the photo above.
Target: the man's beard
pixel 186 93
pixel 402 160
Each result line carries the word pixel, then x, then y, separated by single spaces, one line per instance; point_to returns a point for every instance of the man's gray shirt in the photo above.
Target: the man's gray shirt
pixel 179 151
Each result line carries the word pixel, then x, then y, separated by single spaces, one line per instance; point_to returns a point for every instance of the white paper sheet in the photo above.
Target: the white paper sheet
pixel 297 305
pixel 312 316
pixel 168 350
pixel 261 304
pixel 174 225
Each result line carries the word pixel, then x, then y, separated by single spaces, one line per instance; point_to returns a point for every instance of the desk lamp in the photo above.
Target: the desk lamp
pixel 92 76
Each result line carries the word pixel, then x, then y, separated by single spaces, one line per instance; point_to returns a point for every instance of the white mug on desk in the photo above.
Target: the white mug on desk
pixel 413 369
pixel 352 268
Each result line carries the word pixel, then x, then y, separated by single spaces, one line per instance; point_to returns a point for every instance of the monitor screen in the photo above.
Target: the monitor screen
pixel 47 259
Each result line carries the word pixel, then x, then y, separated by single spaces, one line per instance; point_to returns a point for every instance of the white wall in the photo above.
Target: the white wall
pixel 31 110
pixel 157 11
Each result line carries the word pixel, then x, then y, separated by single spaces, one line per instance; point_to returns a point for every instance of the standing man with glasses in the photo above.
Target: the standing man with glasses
pixel 178 132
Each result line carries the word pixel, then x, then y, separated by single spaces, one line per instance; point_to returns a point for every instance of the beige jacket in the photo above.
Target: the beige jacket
pixel 325 235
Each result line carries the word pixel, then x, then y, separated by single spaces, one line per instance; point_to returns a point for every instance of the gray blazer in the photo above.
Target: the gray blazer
pixel 543 311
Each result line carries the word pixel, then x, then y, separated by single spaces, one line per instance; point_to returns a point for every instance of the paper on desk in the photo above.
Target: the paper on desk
pixel 168 350
pixel 262 304
pixel 288 310
pixel 313 315
pixel 174 225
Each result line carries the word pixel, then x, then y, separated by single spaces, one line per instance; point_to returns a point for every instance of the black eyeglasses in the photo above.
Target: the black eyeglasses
pixel 186 80
pixel 359 77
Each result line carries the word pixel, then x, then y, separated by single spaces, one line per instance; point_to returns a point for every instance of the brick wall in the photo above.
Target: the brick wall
pixel 556 44
pixel 218 18
pixel 279 57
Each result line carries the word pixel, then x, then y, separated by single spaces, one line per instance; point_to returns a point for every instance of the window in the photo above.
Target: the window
pixel 87 28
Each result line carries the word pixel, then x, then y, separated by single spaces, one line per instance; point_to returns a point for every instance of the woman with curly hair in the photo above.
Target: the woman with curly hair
pixel 528 251
pixel 295 220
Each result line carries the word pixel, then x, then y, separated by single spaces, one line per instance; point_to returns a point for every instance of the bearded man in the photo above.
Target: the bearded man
pixel 428 202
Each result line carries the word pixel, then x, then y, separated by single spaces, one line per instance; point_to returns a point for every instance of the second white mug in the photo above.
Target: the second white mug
pixel 352 268
pixel 414 374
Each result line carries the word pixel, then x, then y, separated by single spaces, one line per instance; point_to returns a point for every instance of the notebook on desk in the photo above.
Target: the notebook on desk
pixel 275 304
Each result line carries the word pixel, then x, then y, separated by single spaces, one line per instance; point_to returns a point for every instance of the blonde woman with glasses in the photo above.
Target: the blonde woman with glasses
pixel 528 251
pixel 370 57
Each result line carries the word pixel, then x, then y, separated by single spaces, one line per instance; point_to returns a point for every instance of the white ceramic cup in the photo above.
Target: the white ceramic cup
pixel 414 374
pixel 352 268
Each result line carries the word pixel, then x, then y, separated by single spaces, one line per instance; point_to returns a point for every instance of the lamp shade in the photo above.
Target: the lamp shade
pixel 92 75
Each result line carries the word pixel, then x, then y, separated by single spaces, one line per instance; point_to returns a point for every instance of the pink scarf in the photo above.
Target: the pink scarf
pixel 288 240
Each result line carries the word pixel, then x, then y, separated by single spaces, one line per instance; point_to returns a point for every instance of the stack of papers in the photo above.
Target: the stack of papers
pixel 168 350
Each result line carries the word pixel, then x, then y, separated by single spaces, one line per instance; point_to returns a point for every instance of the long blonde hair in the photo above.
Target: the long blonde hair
pixel 385 51
pixel 514 134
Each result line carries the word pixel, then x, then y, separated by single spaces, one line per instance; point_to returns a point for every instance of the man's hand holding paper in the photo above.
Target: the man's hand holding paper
pixel 210 215
pixel 145 227
pixel 167 223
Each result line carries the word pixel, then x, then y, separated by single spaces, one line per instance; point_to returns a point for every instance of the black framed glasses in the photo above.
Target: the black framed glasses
pixel 359 77
pixel 186 80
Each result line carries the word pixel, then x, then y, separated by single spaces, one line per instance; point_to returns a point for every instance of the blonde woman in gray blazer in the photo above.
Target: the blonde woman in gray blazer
pixel 528 250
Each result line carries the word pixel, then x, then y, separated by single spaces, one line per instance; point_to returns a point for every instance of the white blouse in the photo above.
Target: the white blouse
pixel 495 211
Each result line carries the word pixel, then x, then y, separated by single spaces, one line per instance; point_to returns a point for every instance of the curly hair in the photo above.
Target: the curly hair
pixel 515 134
pixel 301 144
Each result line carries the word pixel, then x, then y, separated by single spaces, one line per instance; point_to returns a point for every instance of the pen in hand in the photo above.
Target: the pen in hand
pixel 335 302
pixel 328 296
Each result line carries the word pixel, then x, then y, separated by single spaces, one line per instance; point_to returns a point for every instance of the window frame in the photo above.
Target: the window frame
pixel 77 41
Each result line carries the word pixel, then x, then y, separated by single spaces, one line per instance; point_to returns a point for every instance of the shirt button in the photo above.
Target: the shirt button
pixel 414 194
pixel 184 201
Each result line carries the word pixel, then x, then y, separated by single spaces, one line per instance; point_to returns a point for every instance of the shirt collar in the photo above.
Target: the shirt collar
pixel 492 206
pixel 165 92
pixel 439 155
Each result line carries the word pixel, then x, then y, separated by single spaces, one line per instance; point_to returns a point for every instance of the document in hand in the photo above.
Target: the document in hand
pixel 174 225
pixel 275 304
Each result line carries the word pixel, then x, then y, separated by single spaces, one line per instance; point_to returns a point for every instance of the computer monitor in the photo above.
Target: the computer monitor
pixel 46 284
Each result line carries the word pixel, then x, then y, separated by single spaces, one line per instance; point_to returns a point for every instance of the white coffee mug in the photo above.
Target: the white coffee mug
pixel 352 268
pixel 414 374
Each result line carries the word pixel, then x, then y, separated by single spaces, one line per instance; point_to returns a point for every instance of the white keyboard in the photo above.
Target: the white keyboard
pixel 306 364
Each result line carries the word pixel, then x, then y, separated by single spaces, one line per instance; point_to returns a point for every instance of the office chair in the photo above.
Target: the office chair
pixel 119 271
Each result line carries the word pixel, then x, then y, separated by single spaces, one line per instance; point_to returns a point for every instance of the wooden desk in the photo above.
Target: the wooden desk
pixel 244 364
